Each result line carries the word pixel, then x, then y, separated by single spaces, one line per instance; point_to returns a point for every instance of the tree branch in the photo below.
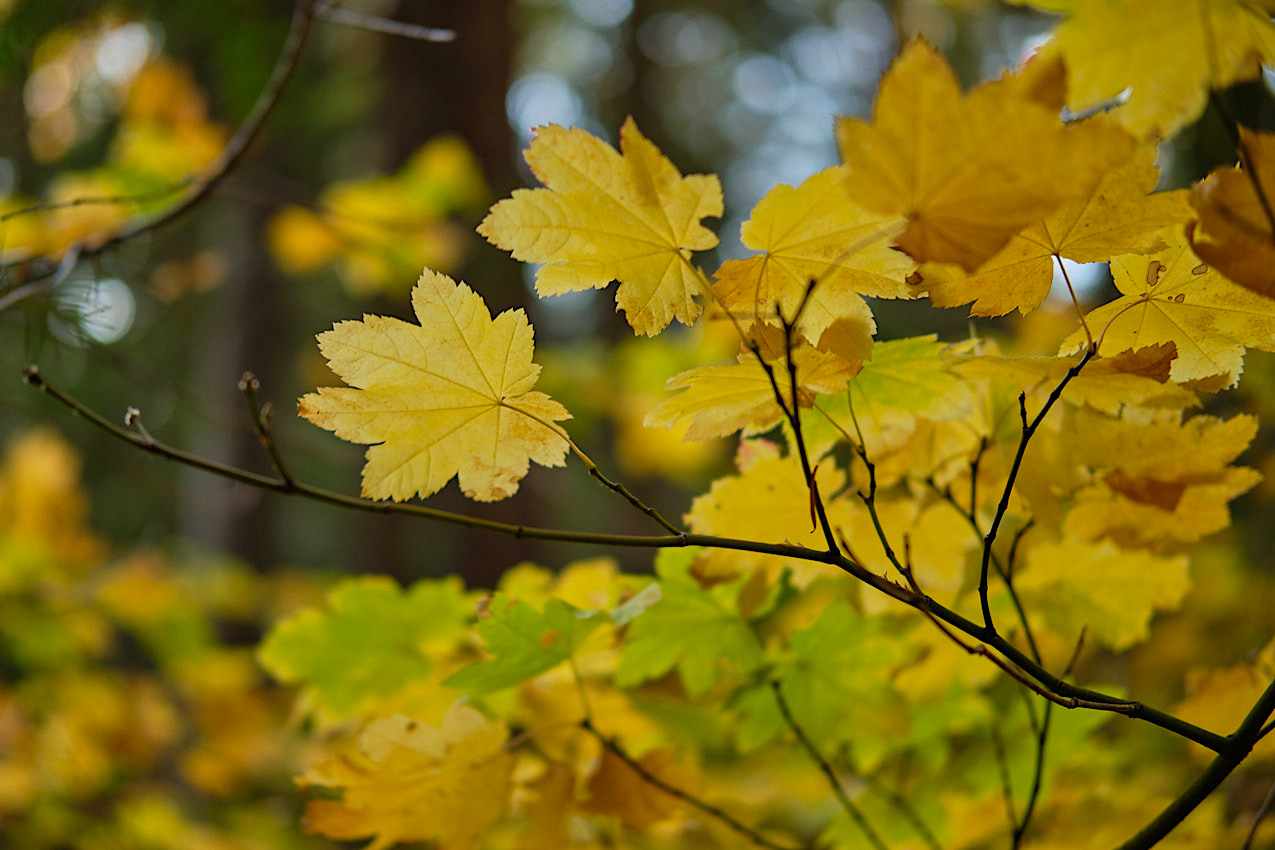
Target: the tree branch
pixel 833 782
pixel 1045 683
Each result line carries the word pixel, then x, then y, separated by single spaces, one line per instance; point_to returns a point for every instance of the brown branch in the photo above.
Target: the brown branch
pixel 1015 662
pixel 673 791
pixel 235 150
pixel 833 782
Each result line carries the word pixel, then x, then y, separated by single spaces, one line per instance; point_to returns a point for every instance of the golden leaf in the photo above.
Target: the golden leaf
pixel 626 215
pixel 1172 296
pixel 449 397
pixel 413 782
pixel 967 172
pixel 814 232
pixel 1234 232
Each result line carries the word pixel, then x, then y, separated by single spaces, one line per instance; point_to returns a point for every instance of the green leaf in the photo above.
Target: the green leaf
pixel 905 379
pixel 837 682
pixel 525 642
pixel 698 631
pixel 371 641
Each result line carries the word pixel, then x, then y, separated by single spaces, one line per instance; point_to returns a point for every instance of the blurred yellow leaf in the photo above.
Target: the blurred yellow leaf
pixel 1109 591
pixel 1168 56
pixel 719 400
pixel 1234 231
pixel 413 782
pixel 1118 217
pixel 967 172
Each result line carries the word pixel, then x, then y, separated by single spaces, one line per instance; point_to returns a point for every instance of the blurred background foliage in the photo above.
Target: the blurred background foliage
pixel 381 157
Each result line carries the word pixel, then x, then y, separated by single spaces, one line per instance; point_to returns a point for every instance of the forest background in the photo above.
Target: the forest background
pixel 380 156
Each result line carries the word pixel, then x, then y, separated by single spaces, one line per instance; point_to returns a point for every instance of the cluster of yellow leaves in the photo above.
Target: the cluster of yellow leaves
pixel 970 198
pixel 124 720
pixel 381 230
pixel 165 136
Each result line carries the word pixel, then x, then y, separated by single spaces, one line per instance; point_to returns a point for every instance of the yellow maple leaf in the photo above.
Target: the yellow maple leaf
pixel 1172 296
pixel 1167 55
pixel 719 400
pixel 449 397
pixel 1234 231
pixel 967 172
pixel 414 782
pixel 1112 592
pixel 605 215
pixel 1139 377
pixel 1156 479
pixel 1118 217
pixel 768 501
pixel 814 232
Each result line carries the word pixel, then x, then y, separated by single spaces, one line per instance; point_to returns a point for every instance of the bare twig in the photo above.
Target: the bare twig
pixel 383 25
pixel 833 782
pixel 203 184
pixel 1029 430
pixel 691 800
pixel 64 268
pixel 249 386
pixel 1261 814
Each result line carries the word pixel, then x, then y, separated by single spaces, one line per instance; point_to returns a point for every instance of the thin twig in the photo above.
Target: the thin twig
pixel 238 145
pixel 673 791
pixel 908 813
pixel 1261 814
pixel 833 782
pixel 1029 430
pixel 383 25
pixel 1007 786
pixel 63 270
pixel 1042 742
pixel 249 386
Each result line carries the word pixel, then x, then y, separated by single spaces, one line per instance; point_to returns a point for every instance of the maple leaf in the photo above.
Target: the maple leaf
pixel 1110 591
pixel 967 172
pixel 1167 55
pixel 414 782
pixel 450 397
pixel 767 501
pixel 1173 297
pixel 906 379
pixel 628 216
pixel 720 400
pixel 1136 377
pixel 814 232
pixel 527 642
pixel 1118 217
pixel 699 632
pixel 371 642
pixel 1234 231
pixel 1156 480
